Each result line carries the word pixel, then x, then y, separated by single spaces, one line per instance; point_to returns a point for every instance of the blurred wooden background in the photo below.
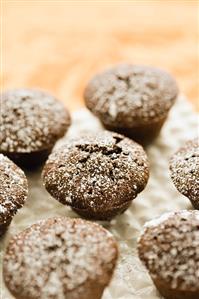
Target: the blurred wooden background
pixel 59 45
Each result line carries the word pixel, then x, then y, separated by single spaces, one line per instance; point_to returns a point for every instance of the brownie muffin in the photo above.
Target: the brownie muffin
pixel 133 100
pixel 13 191
pixel 169 250
pixel 98 175
pixel 31 122
pixel 60 258
pixel 184 168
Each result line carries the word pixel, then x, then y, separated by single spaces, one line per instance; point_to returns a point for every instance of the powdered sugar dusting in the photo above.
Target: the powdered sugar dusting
pixel 169 249
pixel 13 189
pixel 165 217
pixel 129 95
pixel 31 120
pixel 66 254
pixel 159 220
pixel 100 173
pixel 184 167
pixel 130 279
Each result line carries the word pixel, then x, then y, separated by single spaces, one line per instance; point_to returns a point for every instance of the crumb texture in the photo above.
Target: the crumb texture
pixel 31 120
pixel 131 95
pixel 169 248
pixel 184 167
pixel 13 189
pixel 96 171
pixel 70 258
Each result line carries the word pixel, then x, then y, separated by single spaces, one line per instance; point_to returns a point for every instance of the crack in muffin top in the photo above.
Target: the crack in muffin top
pixel 129 95
pixel 31 120
pixel 13 189
pixel 96 172
pixel 184 167
pixel 169 248
pixel 58 258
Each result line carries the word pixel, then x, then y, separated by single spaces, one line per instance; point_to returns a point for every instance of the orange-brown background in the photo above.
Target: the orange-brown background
pixel 59 45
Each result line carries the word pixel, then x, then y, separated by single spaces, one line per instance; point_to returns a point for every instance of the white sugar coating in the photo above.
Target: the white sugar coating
pixel 31 120
pixel 129 95
pixel 13 189
pixel 67 256
pixel 96 172
pixel 184 167
pixel 169 248
pixel 159 220
pixel 130 279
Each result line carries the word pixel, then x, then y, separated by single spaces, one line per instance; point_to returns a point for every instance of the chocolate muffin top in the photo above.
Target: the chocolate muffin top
pixel 129 95
pixel 59 258
pixel 96 171
pixel 13 189
pixel 184 167
pixel 31 120
pixel 169 248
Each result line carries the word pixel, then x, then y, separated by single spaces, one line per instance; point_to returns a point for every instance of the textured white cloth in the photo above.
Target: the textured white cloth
pixel 130 280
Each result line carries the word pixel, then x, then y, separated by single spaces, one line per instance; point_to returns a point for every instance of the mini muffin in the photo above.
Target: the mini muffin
pixel 13 191
pixel 133 100
pixel 60 258
pixel 169 250
pixel 31 122
pixel 184 168
pixel 98 175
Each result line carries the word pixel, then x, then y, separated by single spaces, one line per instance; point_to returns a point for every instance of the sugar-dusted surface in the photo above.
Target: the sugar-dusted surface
pixel 131 95
pixel 67 256
pixel 169 248
pixel 184 167
pixel 31 120
pixel 130 279
pixel 97 172
pixel 13 189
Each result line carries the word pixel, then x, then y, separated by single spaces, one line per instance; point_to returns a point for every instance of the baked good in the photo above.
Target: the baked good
pixel 98 175
pixel 168 248
pixel 31 122
pixel 133 100
pixel 184 168
pixel 60 258
pixel 13 191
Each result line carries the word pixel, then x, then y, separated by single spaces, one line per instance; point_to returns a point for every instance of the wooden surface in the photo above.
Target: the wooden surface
pixel 59 45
